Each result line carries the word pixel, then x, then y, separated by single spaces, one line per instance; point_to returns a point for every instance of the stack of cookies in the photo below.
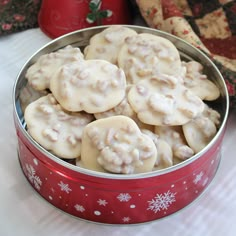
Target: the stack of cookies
pixel 127 104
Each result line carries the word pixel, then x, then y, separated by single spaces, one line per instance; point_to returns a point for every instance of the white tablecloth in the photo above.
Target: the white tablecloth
pixel 24 212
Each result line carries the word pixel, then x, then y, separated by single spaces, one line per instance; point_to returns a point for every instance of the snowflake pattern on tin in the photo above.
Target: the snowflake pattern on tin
pixel 33 178
pixel 161 201
pixel 79 208
pixel 124 197
pixel 64 187
pixel 102 202
pixel 126 219
pixel 198 178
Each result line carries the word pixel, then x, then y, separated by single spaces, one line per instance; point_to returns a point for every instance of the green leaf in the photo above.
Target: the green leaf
pixel 94 5
pixel 104 14
pixel 91 18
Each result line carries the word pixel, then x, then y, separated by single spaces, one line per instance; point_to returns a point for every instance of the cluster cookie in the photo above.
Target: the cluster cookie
pixel 41 72
pixel 127 104
pixel 56 129
pixel 145 56
pixel 89 85
pixel 117 145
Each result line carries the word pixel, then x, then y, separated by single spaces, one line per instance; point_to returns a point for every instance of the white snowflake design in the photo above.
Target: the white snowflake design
pixel 79 208
pixel 33 178
pixel 124 197
pixel 126 219
pixel 102 202
pixel 64 187
pixel 198 178
pixel 161 201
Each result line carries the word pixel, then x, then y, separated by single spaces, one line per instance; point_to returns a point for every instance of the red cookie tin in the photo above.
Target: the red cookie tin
pixel 57 18
pixel 112 198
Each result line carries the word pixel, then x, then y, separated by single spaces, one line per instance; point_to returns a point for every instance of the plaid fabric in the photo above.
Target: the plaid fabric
pixel 209 25
pixel 18 15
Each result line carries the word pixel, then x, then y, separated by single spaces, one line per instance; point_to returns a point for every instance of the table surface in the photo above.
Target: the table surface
pixel 24 212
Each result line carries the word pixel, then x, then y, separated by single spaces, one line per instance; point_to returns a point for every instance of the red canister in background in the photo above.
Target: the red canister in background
pixel 60 17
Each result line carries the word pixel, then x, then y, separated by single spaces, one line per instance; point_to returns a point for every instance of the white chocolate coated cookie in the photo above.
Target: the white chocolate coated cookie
pixel 123 108
pixel 90 85
pixel 198 82
pixel 164 152
pixel 54 129
pixel 212 114
pixel 144 55
pixel 40 73
pixel 201 130
pixel 106 44
pixel 117 145
pixel 28 95
pixel 164 101
pixel 174 136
